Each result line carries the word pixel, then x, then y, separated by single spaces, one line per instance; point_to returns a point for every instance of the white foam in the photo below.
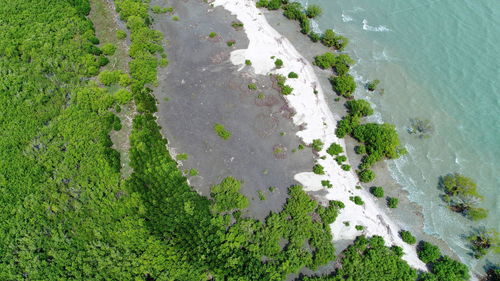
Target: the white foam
pixel 379 28
pixel 346 18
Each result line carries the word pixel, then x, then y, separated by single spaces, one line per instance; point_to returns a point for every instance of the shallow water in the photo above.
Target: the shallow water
pixel 437 60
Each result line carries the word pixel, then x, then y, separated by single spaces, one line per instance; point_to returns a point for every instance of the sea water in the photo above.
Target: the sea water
pixel 437 60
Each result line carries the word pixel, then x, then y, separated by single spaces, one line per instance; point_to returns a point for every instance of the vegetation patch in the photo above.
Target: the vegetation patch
pixel 221 131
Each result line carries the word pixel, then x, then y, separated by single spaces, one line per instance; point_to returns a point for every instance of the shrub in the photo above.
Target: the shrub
pixel 158 10
pixel 392 202
pixel 121 34
pixel 293 75
pixel 305 25
pixel 428 252
pixel 262 197
pixel 248 62
pixel 237 24
pixel 377 191
pixel 181 156
pixel 372 85
pixel 359 227
pixel 326 183
pixel 325 60
pixel 360 149
pixel 262 3
pixel 346 125
pixel 315 37
pixel 446 269
pixel 317 145
pixel 329 38
pixel 227 197
pixel 476 214
pixel 221 131
pixel 193 172
pixel 252 86
pixel 357 200
pixel 212 34
pixel 313 11
pixel 293 11
pixel 108 77
pixel 366 175
pixel 230 43
pixel 123 96
pixel 318 169
pixel 301 146
pixel 334 149
pixel 278 63
pixel 108 49
pixel 360 108
pixel 345 167
pixel 340 159
pixel 274 4
pixel 461 195
pixel 343 85
pixel 175 18
pixel 286 90
pixel 407 237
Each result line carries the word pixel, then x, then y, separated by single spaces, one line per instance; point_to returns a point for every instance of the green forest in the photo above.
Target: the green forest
pixel 68 213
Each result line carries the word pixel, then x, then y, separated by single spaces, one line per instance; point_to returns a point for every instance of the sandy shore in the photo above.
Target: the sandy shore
pixel 313 112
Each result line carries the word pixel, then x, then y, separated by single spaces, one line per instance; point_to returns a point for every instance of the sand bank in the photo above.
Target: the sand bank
pixel 319 123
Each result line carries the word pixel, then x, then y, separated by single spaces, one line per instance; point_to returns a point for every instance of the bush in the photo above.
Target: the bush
pixel 262 3
pixel 313 11
pixel 293 75
pixel 392 202
pixel 334 149
pixel 446 269
pixel 108 77
pixel 340 159
pixel 462 196
pixel 346 125
pixel 230 43
pixel 317 145
pixel 221 131
pixel 318 169
pixel 227 197
pixel 252 86
pixel 407 237
pixel 274 4
pixel 372 85
pixel 286 90
pixel 278 63
pixel 305 25
pixel 108 49
pixel 360 108
pixel 359 227
pixel 329 38
pixel 212 34
pixel 428 252
pixel 357 200
pixel 326 183
pixel 123 96
pixel 360 149
pixel 343 85
pixel 158 10
pixel 377 191
pixel 366 175
pixel 181 156
pixel 345 167
pixel 325 60
pixel 293 11
pixel 315 37
pixel 248 62
pixel 121 34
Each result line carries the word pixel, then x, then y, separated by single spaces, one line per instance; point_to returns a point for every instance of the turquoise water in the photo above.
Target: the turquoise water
pixel 437 60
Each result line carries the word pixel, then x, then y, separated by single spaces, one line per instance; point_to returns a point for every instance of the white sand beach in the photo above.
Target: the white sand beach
pixel 313 112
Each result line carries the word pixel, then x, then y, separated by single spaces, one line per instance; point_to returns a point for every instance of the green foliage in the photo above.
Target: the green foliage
pixel 293 11
pixel 212 34
pixel 262 197
pixel 121 34
pixel 360 149
pixel 318 169
pixel 248 62
pixel 252 86
pixel 359 108
pixel 345 167
pixel 377 191
pixel 343 85
pixel 325 60
pixel 230 43
pixel 428 252
pixel 317 145
pixel 286 90
pixel 262 3
pixel 293 75
pixel 278 63
pixel 357 200
pixel 158 10
pixel 123 96
pixel 222 131
pixel 335 149
pixel 341 158
pixel 313 11
pixel 193 172
pixel 237 24
pixel 274 4
pixel 482 241
pixel 227 197
pixel 407 237
pixel 392 202
pixel 108 49
pixel 330 39
pixel 372 85
pixel 446 269
pixel 181 156
pixel 340 62
pixel 366 175
pixel 109 77
pixel 462 196
pixel 359 227
pixel 315 37
pixel 326 183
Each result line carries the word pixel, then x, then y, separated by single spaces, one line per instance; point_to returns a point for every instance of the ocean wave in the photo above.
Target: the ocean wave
pixel 379 28
pixel 346 18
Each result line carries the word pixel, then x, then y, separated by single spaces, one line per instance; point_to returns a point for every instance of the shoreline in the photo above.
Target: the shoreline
pixel 313 110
